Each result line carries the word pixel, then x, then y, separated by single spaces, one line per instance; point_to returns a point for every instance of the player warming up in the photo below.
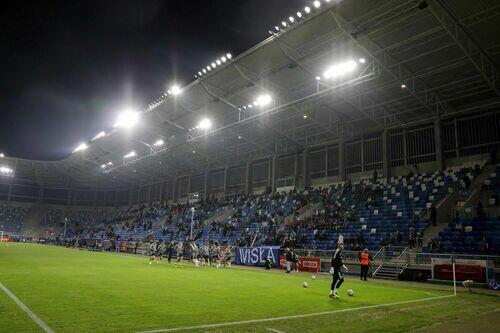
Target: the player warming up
pixel 337 265
pixel 152 252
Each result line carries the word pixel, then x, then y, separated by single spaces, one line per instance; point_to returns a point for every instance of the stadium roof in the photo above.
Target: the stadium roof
pixel 398 62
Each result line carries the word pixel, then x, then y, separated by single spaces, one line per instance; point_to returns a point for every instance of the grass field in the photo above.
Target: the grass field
pixel 81 291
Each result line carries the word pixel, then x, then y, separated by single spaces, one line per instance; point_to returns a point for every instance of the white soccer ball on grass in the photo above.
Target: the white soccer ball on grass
pixel 350 292
pixel 313 277
pixel 305 284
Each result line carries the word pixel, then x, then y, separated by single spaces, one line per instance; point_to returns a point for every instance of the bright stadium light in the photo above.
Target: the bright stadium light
pixel 176 90
pixel 2 155
pixel 307 10
pixel 6 170
pixel 340 69
pixel 224 59
pixel 127 119
pixel 159 143
pixel 277 28
pixel 291 19
pixel 81 147
pixel 263 100
pixel 218 62
pixel 403 86
pixel 99 135
pixel 204 71
pixel 229 56
pixel 361 60
pixel 299 14
pixel 283 23
pixel 317 4
pixel 205 124
pixel 130 155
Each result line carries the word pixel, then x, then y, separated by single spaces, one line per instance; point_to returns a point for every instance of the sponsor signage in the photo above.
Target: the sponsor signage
pixel 304 264
pixel 256 256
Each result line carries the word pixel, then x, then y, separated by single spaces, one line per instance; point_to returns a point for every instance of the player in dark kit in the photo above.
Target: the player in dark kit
pixel 337 265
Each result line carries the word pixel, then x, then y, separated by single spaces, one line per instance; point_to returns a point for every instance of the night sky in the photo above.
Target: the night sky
pixel 68 67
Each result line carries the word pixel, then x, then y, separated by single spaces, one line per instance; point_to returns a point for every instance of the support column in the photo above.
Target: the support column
pixel 385 156
pixel 9 193
pixel 305 167
pixel 248 178
pixel 439 146
pixel 149 194
pixel 274 172
pixel 205 195
pixel 174 189
pixel 226 173
pixel 342 173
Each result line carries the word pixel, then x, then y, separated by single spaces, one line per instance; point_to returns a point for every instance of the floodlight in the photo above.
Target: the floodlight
pixel 213 65
pixel 229 56
pixel 159 143
pixel 340 69
pixel 362 60
pixel 307 9
pixel 291 19
pixel 283 23
pixel 81 147
pixel 199 73
pixel 176 90
pixel 218 62
pixel 277 28
pixel 205 124
pixel 299 14
pixel 2 155
pixel 5 170
pixel 209 68
pixel 103 166
pixel 127 119
pixel 403 86
pixel 318 78
pixel 109 163
pixel 99 135
pixel 305 116
pixel 263 100
pixel 224 59
pixel 130 155
pixel 317 4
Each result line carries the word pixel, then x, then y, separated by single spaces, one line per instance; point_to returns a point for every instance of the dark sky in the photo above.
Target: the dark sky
pixel 67 67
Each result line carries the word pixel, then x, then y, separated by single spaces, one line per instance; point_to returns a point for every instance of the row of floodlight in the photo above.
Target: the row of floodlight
pixel 261 101
pixel 174 90
pixel 299 15
pixel 216 63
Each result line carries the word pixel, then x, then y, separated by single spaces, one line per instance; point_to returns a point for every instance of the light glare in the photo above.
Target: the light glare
pixel 263 100
pixel 340 69
pixel 131 154
pixel 81 147
pixel 205 124
pixel 127 119
pixel 99 135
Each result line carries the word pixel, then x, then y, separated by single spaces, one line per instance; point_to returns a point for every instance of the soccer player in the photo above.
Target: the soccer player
pixel 194 252
pixel 152 251
pixel 170 251
pixel 214 254
pixel 179 248
pixel 160 251
pixel 205 254
pixel 229 256
pixel 337 265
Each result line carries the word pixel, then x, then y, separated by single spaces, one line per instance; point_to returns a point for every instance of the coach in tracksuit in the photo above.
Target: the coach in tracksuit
pixel 337 265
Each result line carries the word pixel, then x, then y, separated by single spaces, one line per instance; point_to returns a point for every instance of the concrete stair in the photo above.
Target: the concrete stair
pixel 32 227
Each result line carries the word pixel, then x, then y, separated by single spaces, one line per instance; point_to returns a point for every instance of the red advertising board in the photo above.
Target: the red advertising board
pixel 304 264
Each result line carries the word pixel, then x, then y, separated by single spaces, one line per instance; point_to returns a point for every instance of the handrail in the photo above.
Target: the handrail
pixel 378 260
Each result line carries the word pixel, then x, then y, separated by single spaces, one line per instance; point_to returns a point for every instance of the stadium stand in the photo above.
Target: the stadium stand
pixel 12 218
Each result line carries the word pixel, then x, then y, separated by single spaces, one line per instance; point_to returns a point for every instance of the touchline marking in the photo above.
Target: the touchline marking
pixel 253 321
pixel 30 313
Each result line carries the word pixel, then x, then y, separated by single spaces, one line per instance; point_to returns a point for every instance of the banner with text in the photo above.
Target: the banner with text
pixel 256 256
pixel 304 264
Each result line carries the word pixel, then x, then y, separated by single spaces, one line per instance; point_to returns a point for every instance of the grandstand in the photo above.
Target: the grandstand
pixel 356 119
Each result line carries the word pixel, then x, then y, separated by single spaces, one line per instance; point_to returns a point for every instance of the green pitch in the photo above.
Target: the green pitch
pixel 81 291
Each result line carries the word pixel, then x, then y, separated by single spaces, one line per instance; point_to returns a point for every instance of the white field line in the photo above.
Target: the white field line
pixel 253 321
pixel 30 313
pixel 275 331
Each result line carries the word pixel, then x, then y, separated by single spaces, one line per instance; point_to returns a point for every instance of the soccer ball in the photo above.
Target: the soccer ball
pixel 350 292
pixel 305 284
pixel 313 277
